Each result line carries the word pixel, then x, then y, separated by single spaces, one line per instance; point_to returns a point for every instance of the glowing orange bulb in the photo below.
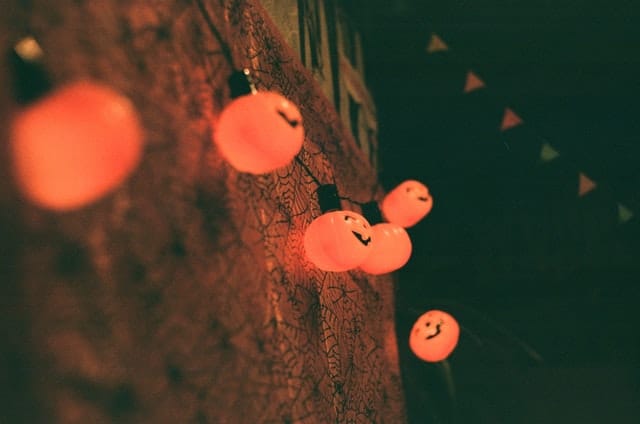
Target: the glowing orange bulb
pixel 258 133
pixel 75 145
pixel 390 251
pixel 338 241
pixel 434 336
pixel 407 204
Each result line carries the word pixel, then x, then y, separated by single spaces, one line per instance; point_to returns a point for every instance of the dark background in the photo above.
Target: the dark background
pixel 544 283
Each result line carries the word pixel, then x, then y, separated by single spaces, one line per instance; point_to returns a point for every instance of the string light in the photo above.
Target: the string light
pixel 72 145
pixel 434 336
pixel 392 247
pixel 337 240
pixel 391 250
pixel 259 132
pixel 407 204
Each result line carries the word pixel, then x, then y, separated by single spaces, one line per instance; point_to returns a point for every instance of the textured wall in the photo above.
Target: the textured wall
pixel 185 295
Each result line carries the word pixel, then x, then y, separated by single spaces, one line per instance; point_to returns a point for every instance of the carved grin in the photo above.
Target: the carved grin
pixel 292 122
pixel 362 239
pixel 438 331
pixel 423 198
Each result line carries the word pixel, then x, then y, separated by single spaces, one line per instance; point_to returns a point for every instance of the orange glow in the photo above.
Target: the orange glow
pixel 407 204
pixel 338 241
pixel 75 145
pixel 260 132
pixel 434 336
pixel 391 250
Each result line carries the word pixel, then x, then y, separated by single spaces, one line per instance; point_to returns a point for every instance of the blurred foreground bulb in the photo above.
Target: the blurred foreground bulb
pixel 75 145
pixel 338 241
pixel 434 336
pixel 259 132
pixel 72 145
pixel 391 250
pixel 407 204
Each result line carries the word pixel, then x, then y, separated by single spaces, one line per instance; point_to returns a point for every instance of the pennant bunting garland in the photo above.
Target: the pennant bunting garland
pixel 436 45
pixel 473 83
pixel 585 185
pixel 510 120
pixel 624 213
pixel 548 153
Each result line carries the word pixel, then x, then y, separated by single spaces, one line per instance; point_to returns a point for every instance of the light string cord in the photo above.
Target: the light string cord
pixel 476 315
pixel 224 47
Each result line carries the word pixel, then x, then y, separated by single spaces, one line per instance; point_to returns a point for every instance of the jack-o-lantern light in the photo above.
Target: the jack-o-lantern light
pixel 391 250
pixel 337 240
pixel 259 132
pixel 407 204
pixel 434 336
pixel 74 144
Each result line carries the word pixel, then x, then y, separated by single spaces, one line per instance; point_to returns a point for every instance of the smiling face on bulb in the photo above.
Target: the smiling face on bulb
pixel 434 336
pixel 407 204
pixel 338 241
pixel 259 133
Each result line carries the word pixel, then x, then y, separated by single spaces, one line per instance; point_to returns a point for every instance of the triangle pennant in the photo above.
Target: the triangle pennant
pixel 436 45
pixel 510 120
pixel 473 83
pixel 585 185
pixel 624 213
pixel 548 153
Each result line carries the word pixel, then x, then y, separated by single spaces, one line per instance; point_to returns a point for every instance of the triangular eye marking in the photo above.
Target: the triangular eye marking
pixel 347 217
pixel 362 239
pixel 421 198
pixel 292 122
pixel 438 331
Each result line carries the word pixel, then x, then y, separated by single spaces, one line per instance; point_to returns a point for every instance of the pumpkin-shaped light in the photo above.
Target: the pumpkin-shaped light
pixel 338 241
pixel 407 204
pixel 390 251
pixel 74 145
pixel 434 336
pixel 259 132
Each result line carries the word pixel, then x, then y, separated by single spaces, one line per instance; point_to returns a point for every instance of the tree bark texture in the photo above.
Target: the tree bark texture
pixel 185 296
